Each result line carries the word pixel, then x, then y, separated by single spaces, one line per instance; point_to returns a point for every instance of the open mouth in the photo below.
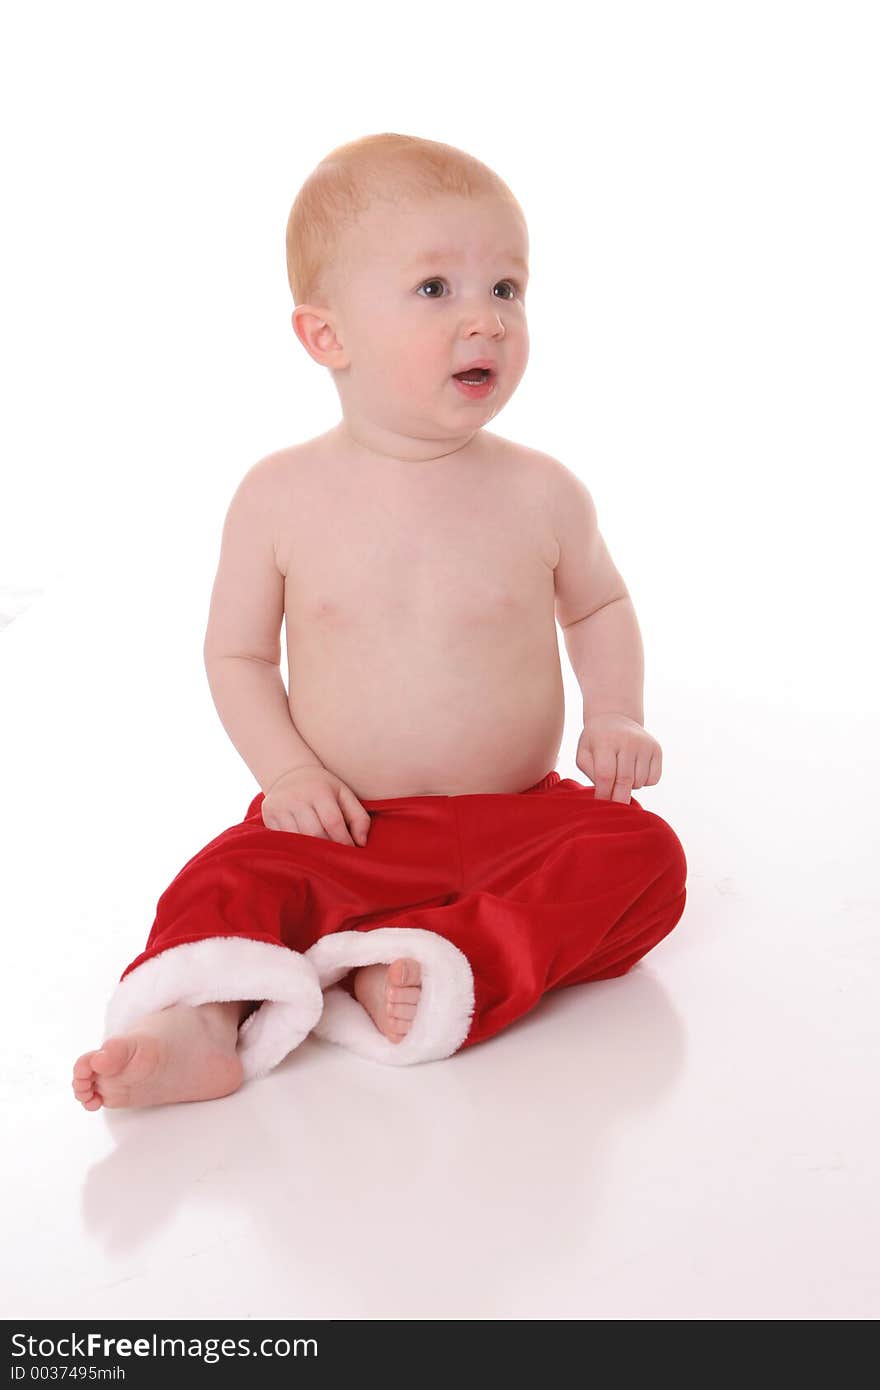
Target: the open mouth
pixel 475 377
pixel 476 383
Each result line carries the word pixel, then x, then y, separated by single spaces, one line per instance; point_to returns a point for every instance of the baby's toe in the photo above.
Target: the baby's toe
pixel 113 1055
pixel 82 1067
pixel 83 1082
pixel 83 1087
pixel 403 988
pixel 401 1011
pixel 402 994
pixel 404 972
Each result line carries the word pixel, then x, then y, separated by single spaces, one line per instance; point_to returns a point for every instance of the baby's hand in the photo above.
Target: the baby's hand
pixel 311 800
pixel 617 754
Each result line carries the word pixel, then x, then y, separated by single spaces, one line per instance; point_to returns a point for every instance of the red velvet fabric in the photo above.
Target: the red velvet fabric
pixel 539 889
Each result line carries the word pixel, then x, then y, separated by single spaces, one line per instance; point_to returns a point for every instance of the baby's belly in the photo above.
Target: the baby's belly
pixel 408 717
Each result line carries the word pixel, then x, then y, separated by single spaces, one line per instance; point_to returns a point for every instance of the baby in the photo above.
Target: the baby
pixel 392 875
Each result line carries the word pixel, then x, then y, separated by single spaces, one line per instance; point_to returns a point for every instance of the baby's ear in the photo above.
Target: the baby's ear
pixel 317 336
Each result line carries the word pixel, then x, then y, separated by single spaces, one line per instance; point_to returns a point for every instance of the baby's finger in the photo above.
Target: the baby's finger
pixel 307 823
pixel 357 817
pixel 280 820
pixel 605 771
pixel 334 822
pixel 643 770
pixel 623 781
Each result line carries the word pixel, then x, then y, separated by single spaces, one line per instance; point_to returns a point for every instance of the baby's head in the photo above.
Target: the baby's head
pixel 407 261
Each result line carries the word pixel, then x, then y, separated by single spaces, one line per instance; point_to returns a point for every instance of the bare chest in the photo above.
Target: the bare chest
pixel 471 550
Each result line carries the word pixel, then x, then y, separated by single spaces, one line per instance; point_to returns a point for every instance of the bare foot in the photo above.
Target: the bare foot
pixel 390 994
pixel 180 1053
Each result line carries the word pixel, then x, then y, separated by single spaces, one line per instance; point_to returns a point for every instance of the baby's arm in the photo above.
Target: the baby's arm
pixel 604 645
pixel 593 606
pixel 242 649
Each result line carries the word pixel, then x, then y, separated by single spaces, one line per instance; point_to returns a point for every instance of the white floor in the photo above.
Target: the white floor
pixel 696 1140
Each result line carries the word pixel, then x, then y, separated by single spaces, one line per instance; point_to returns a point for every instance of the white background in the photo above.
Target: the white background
pixel 700 183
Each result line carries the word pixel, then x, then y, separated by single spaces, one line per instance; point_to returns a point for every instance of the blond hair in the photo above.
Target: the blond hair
pixel 391 167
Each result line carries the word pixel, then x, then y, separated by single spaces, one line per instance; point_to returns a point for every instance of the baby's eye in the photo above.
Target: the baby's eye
pixel 510 284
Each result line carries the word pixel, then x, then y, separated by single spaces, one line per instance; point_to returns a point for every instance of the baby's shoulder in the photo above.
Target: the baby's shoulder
pixel 533 467
pixel 529 457
pixel 275 475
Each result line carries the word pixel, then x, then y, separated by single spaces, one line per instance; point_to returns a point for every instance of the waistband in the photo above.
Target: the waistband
pixel 552 779
pixel 549 781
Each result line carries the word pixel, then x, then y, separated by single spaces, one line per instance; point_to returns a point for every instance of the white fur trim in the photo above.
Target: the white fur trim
pixel 443 1016
pixel 221 968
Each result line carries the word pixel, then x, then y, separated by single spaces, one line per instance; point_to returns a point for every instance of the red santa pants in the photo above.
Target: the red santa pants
pixel 500 897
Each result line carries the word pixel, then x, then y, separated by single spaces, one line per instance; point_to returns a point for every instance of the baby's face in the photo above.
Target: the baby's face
pixel 428 289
